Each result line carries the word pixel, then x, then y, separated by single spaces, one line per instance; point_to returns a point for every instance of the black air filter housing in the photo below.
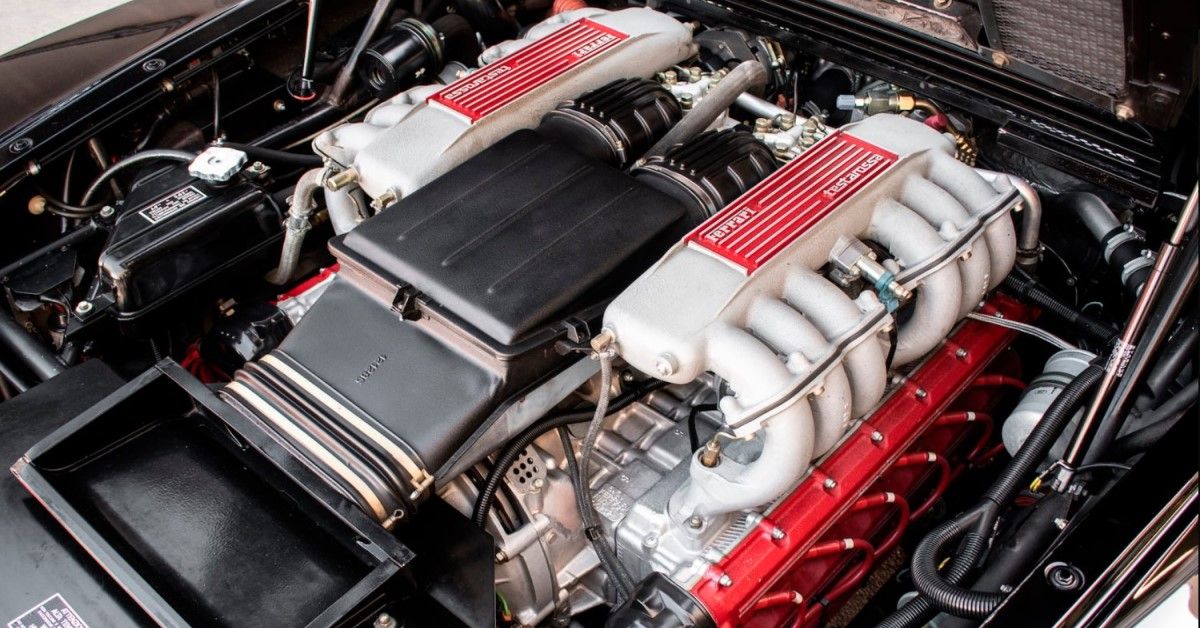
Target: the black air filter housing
pixel 448 304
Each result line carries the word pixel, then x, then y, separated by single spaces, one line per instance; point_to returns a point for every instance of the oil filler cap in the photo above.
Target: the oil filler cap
pixel 217 164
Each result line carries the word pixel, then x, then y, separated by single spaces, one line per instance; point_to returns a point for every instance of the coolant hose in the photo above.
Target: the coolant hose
pixel 297 224
pixel 1028 289
pixel 157 154
pixel 746 76
pixel 975 525
pixel 1122 248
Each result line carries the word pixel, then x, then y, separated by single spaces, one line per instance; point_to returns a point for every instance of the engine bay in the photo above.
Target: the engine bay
pixel 568 314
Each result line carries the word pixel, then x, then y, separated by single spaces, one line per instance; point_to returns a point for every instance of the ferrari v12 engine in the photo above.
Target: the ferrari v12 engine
pixel 633 310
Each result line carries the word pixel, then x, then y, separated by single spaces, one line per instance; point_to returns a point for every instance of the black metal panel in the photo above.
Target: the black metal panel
pixel 1095 145
pixel 1130 527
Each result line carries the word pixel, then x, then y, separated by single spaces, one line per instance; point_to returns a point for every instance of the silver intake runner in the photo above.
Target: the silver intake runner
pixel 742 298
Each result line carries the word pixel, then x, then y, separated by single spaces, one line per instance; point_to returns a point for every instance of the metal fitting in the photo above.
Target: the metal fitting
pixel 710 456
pixel 341 179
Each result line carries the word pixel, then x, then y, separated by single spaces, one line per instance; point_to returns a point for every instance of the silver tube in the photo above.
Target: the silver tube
pixel 310 45
pixel 747 75
pixel 1029 238
pixel 761 108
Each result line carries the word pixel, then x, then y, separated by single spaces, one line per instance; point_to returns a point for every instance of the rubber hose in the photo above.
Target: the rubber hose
pixel 41 362
pixel 919 610
pixel 276 156
pixel 1158 422
pixel 1028 289
pixel 511 451
pixel 1179 351
pixel 157 154
pixel 948 596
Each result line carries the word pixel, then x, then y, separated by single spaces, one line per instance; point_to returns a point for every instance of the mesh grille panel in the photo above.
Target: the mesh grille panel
pixel 1079 40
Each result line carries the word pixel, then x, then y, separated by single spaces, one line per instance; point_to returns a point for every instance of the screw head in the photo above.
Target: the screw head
pixel 385 621
pixel 829 484
pixel 107 211
pixel 695 522
pixel 921 393
pixel 539 483
pixel 83 308
pixel 1063 576
pixel 20 145
pixel 279 105
pixel 960 353
pixel 651 541
pixel 778 534
pixel 725 580
pixel 153 65
pixel 876 437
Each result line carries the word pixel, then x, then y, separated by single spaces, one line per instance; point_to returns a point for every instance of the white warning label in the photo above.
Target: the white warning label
pixel 54 612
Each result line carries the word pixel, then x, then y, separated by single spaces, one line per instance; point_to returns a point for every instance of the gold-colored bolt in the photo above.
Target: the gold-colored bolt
pixel 670 77
pixel 37 205
pixel 1124 112
pixel 694 74
pixel 686 101
pixel 762 125
pixel 341 179
pixel 999 58
pixel 711 456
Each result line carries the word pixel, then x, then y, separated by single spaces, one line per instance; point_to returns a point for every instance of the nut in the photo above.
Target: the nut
pixel 83 308
pixel 107 211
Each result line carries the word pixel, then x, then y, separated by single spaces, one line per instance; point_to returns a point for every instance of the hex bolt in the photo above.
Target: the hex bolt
pixel 385 621
pixel 778 534
pixel 650 542
pixel 762 125
pixel 695 522
pixel 83 308
pixel 921 393
pixel 1123 112
pixel 107 211
pixel 538 483
pixel 670 77
pixel 960 353
pixel 829 484
pixel 279 106
pixel 694 74
pixel 725 580
pixel 787 121
pixel 876 437
pixel 686 101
